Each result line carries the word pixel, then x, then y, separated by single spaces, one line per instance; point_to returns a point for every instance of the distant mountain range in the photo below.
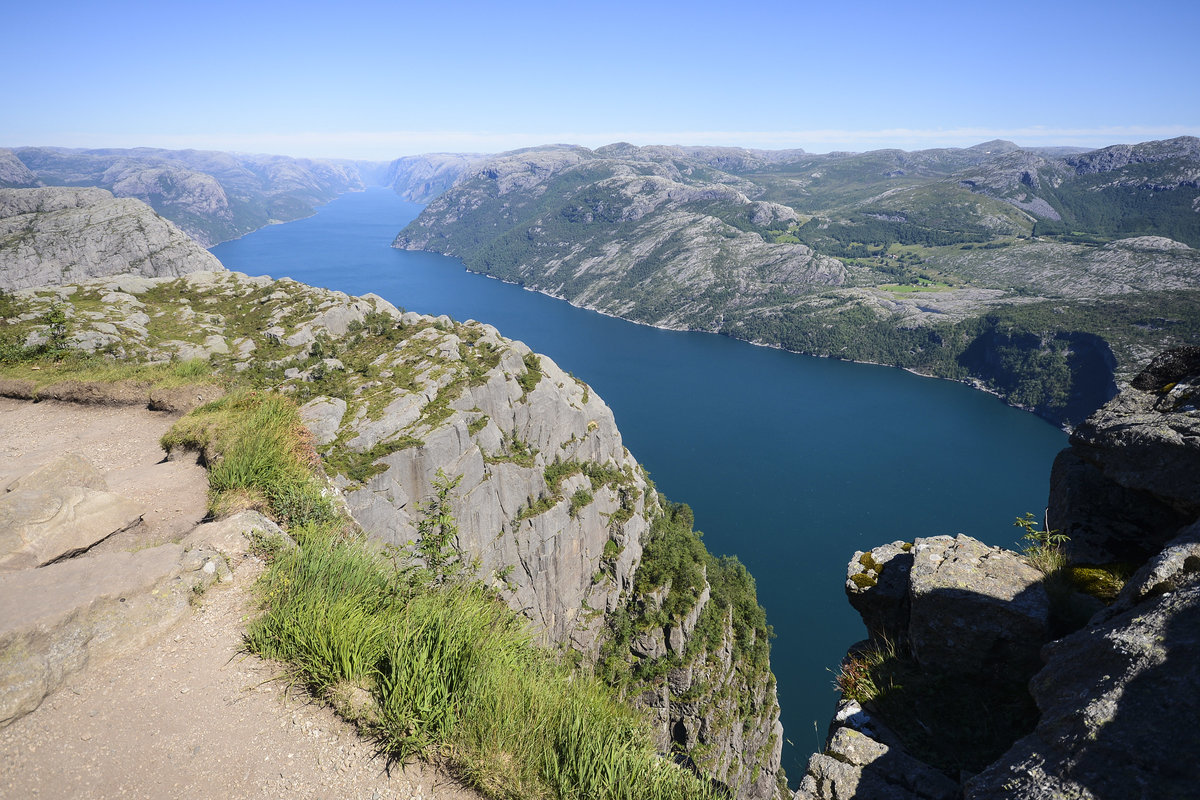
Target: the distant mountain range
pixel 1047 275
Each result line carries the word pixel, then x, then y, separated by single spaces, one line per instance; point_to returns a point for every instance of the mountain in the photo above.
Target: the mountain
pixel 56 235
pixel 1044 275
pixel 213 196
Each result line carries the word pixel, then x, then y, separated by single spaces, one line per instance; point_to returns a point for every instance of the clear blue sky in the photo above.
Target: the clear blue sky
pixel 384 79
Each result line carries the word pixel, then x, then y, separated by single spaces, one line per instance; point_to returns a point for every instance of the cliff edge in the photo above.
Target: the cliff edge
pixel 1071 670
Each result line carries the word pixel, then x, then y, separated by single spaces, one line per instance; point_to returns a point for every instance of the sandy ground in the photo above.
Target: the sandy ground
pixel 192 715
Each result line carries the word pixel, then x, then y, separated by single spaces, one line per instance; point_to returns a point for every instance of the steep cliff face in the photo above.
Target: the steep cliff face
pixel 551 508
pixel 58 235
pixel 1107 708
pixel 419 179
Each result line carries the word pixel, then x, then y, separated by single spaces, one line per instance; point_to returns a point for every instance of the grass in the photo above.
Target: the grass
pixel 259 456
pixel 45 369
pixel 452 676
pixel 443 671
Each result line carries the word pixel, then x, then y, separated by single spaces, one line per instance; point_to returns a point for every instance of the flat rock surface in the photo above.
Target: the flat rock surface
pixel 122 443
pixel 189 715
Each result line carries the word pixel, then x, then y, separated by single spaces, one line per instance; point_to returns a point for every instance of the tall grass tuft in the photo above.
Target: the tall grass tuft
pixel 259 455
pixel 455 676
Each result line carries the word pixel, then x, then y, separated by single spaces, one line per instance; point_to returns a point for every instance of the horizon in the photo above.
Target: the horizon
pixel 599 142
pixel 375 81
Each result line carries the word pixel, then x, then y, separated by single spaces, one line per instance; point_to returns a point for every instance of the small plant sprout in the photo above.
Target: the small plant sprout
pixel 1043 548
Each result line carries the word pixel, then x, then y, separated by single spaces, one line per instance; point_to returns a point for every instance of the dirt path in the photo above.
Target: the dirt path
pixel 191 715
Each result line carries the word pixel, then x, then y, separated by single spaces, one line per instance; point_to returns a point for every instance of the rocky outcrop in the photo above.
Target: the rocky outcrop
pixel 551 509
pixel 1116 696
pixel 1119 698
pixel 1126 485
pixel 51 236
pixel 212 196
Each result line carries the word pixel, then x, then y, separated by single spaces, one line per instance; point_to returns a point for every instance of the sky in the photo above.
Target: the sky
pixel 378 80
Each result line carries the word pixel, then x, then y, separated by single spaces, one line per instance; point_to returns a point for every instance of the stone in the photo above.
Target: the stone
pixel 877 584
pixel 323 417
pixel 856 766
pixel 234 536
pixel 38 526
pixel 58 619
pixel 975 607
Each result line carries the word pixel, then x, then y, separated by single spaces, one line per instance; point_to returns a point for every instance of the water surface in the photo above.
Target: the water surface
pixel 791 463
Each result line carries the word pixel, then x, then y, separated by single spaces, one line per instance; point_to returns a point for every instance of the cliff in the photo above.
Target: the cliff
pixel 59 235
pixel 552 510
pixel 1072 670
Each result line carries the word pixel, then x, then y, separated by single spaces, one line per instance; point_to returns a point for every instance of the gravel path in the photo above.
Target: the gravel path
pixel 191 715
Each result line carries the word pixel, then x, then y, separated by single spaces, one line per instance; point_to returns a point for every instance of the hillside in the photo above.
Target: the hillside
pixel 213 196
pixel 58 235
pixel 989 263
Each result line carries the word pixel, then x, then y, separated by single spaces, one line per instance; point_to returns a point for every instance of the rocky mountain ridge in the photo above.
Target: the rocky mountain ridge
pixel 58 235
pixel 912 259
pixel 213 196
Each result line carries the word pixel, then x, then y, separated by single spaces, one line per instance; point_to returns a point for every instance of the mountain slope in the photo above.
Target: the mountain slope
pixel 910 259
pixel 57 235
pixel 213 196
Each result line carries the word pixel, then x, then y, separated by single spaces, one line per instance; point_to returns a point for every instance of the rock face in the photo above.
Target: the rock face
pixel 420 179
pixel 551 509
pixel 1127 483
pixel 57 235
pixel 1117 698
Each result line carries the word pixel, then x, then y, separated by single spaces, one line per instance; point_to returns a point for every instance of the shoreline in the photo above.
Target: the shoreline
pixel 973 383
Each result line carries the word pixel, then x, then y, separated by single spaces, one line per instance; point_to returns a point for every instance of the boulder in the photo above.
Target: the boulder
pixel 234 536
pixel 856 766
pixel 975 607
pixel 323 416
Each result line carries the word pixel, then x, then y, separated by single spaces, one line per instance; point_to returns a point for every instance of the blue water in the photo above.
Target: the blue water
pixel 790 462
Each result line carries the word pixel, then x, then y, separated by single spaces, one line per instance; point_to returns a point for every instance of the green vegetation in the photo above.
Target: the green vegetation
pixel 1043 549
pixel 259 456
pixel 424 659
